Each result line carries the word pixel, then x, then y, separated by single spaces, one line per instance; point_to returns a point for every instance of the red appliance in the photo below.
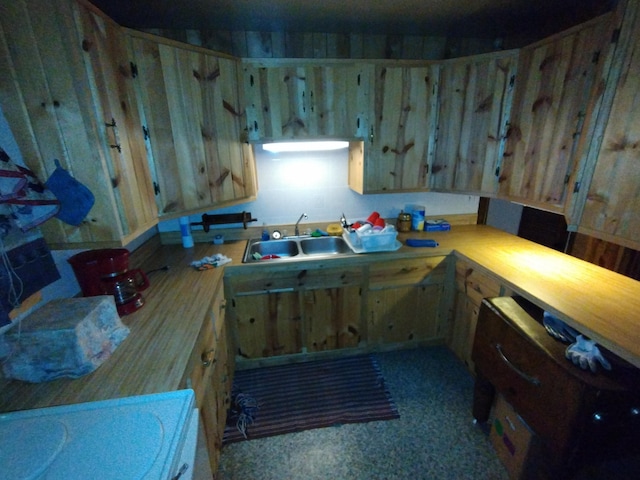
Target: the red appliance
pixel 106 272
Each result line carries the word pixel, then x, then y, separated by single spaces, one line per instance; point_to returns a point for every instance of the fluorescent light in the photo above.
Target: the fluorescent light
pixel 304 146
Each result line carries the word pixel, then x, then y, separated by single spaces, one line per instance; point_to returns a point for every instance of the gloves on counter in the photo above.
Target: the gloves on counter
pixel 585 354
pixel 558 329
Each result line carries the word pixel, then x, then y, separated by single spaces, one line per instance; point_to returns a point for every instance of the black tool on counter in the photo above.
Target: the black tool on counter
pixel 208 220
pixel 419 242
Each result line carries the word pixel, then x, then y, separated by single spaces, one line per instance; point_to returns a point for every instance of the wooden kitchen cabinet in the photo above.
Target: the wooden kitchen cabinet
pixel 194 117
pixel 209 374
pixel 474 101
pixel 406 301
pixel 608 203
pixel 472 285
pixel 396 154
pixel 557 83
pixel 299 311
pixel 293 100
pixel 67 95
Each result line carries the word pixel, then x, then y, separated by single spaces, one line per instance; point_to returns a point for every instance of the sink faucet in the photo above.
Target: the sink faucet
pixel 297 231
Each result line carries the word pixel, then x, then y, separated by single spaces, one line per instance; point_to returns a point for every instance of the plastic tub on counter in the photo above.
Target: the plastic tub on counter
pixel 367 242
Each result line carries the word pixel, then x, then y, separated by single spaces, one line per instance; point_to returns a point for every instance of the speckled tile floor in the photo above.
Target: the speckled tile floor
pixel 434 438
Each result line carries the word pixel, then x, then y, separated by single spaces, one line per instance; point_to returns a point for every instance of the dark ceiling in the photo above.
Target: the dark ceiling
pixel 465 18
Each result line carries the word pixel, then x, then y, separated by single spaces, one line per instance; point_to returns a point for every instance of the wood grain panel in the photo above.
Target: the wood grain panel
pixel 474 103
pixel 556 81
pixel 402 127
pixel 613 200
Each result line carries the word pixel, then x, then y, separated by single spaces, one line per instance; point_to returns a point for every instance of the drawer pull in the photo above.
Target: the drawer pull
pixel 528 378
pixel 207 358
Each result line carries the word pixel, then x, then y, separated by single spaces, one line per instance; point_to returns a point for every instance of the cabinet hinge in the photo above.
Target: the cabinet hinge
pixel 156 188
pixel 566 179
pixel 512 81
pixel 615 36
pixel 134 69
pixel 497 171
pixel 576 187
pixel 596 57
pixel 145 131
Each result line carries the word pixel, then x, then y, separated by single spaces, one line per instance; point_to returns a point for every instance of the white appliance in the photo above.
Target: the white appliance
pixel 149 437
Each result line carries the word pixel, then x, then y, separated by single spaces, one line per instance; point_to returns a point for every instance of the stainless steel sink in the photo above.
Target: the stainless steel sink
pixel 324 246
pixel 293 248
pixel 272 249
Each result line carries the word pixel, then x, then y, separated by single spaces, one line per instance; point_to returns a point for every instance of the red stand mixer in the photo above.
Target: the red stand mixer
pixel 106 272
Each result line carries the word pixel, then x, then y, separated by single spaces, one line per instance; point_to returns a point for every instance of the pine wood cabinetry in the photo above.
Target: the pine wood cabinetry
pixel 192 109
pixel 474 103
pixel 396 153
pixel 609 201
pixel 557 82
pixel 209 374
pixel 289 312
pixel 289 100
pixel 309 310
pixel 471 285
pixel 67 94
pixel 406 301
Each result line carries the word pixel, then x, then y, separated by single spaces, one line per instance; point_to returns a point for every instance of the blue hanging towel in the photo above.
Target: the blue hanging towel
pixel 75 199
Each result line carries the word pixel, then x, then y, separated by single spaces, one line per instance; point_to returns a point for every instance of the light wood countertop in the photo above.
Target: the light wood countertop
pixel 602 304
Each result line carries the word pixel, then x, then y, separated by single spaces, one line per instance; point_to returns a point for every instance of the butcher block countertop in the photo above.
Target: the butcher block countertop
pixel 602 304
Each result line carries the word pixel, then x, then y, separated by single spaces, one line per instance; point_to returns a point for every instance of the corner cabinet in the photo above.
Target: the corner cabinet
pixel 474 103
pixel 557 83
pixel 608 203
pixel 288 100
pixel 66 91
pixel 193 116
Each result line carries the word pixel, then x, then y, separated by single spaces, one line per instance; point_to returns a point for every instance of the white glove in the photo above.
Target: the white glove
pixel 558 329
pixel 585 354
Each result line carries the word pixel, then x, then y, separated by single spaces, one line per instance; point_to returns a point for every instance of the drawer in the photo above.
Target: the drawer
pixel 539 389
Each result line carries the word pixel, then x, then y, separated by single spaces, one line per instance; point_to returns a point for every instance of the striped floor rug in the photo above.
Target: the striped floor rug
pixel 290 398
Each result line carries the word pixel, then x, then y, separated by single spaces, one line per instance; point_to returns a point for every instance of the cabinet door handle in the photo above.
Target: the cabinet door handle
pixel 528 378
pixel 207 358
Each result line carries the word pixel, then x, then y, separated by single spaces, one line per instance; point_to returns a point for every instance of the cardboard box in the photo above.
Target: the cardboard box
pixel 512 439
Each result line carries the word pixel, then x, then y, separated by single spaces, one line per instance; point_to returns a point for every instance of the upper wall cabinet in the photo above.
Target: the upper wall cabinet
pixel 474 100
pixel 610 200
pixel 286 100
pixel 65 89
pixel 402 131
pixel 193 114
pixel 555 82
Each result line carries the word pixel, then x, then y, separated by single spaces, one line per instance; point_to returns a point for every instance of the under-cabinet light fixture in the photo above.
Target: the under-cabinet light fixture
pixel 304 146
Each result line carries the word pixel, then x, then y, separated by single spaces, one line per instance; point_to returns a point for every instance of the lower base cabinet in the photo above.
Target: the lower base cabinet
pixel 471 285
pixel 313 310
pixel 210 374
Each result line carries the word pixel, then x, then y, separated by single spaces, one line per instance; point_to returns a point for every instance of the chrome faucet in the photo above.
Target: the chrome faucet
pixel 297 230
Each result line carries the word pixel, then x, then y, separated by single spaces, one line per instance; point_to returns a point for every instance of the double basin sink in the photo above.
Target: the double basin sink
pixel 294 248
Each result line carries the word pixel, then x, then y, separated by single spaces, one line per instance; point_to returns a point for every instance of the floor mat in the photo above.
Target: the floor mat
pixel 290 398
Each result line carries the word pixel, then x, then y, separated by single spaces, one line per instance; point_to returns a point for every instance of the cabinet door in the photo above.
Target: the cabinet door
pixel 306 101
pixel 610 209
pixel 192 110
pixel 405 301
pixel 554 84
pixel 65 80
pixel 402 131
pixel 474 99
pixel 267 324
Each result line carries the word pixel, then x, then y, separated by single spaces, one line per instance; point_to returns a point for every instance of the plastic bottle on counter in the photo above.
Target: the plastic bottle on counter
pixel 185 231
